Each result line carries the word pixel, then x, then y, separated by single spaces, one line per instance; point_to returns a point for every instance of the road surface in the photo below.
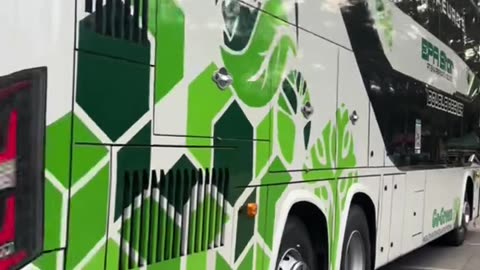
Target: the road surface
pixel 435 257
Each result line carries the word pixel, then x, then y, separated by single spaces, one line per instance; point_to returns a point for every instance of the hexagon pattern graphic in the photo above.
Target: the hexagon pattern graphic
pixel 114 95
pixel 234 124
pixel 89 180
pixel 205 102
pixel 245 226
pixel 170 45
pixel 114 98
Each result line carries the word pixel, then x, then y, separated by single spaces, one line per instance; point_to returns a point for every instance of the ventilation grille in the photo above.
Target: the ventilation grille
pixel 127 20
pixel 176 213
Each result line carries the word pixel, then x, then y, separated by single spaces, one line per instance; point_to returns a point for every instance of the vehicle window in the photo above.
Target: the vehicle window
pixel 455 22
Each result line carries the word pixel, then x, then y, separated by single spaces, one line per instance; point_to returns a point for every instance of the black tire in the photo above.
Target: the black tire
pixel 357 222
pixel 457 236
pixel 295 235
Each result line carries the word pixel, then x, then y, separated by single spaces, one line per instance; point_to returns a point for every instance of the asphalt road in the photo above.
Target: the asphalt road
pixel 437 257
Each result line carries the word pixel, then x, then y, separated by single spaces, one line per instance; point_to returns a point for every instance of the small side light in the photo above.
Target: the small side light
pixel 252 209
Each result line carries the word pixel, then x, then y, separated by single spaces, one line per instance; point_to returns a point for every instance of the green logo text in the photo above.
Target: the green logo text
pixel 437 60
pixel 441 217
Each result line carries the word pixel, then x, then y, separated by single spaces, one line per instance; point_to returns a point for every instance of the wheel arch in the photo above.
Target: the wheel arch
pixel 313 218
pixel 303 204
pixel 468 189
pixel 469 193
pixel 364 201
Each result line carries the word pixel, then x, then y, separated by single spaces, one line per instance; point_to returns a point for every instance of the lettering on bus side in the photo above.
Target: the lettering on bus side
pixel 440 218
pixel 441 102
pixel 437 60
pixel 441 223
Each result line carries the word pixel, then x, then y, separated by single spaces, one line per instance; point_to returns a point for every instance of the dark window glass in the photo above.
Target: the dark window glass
pixel 455 22
pixel 420 125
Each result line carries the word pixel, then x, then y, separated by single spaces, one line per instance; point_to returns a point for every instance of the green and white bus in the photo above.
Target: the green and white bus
pixel 236 134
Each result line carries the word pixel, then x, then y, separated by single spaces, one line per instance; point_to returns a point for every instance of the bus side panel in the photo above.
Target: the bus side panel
pixel 311 81
pixel 309 13
pixel 376 151
pixel 443 201
pixel 397 217
pixel 384 221
pixel 476 194
pixel 353 97
pixel 415 198
pixel 39 36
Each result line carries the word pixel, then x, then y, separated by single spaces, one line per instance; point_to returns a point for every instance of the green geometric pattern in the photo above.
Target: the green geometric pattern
pixel 262 261
pixel 221 264
pixel 105 96
pixel 263 148
pixel 85 231
pixel 48 260
pixel 269 197
pixel 89 192
pixel 245 227
pixel 233 124
pixel 85 157
pixel 204 103
pixel 131 158
pixel 170 42
pixel 53 213
pixel 58 148
pixel 247 262
pixel 113 106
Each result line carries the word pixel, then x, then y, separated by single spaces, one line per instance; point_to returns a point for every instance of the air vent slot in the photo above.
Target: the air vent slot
pixel 174 213
pixel 127 20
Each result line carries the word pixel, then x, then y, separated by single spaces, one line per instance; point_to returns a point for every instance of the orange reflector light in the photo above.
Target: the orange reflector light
pixel 252 209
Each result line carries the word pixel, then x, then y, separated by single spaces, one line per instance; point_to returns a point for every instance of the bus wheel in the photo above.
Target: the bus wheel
pixel 356 243
pixel 457 236
pixel 296 250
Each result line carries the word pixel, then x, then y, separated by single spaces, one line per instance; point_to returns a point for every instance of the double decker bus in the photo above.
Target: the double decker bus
pixel 236 134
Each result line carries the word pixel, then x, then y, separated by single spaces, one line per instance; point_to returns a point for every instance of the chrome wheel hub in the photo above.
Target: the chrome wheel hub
pixel 355 255
pixel 292 260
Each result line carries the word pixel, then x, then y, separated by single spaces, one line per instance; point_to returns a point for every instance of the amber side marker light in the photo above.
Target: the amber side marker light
pixel 252 209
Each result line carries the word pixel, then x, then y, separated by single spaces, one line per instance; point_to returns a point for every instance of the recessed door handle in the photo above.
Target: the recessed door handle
pixel 307 110
pixel 222 78
pixel 354 117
